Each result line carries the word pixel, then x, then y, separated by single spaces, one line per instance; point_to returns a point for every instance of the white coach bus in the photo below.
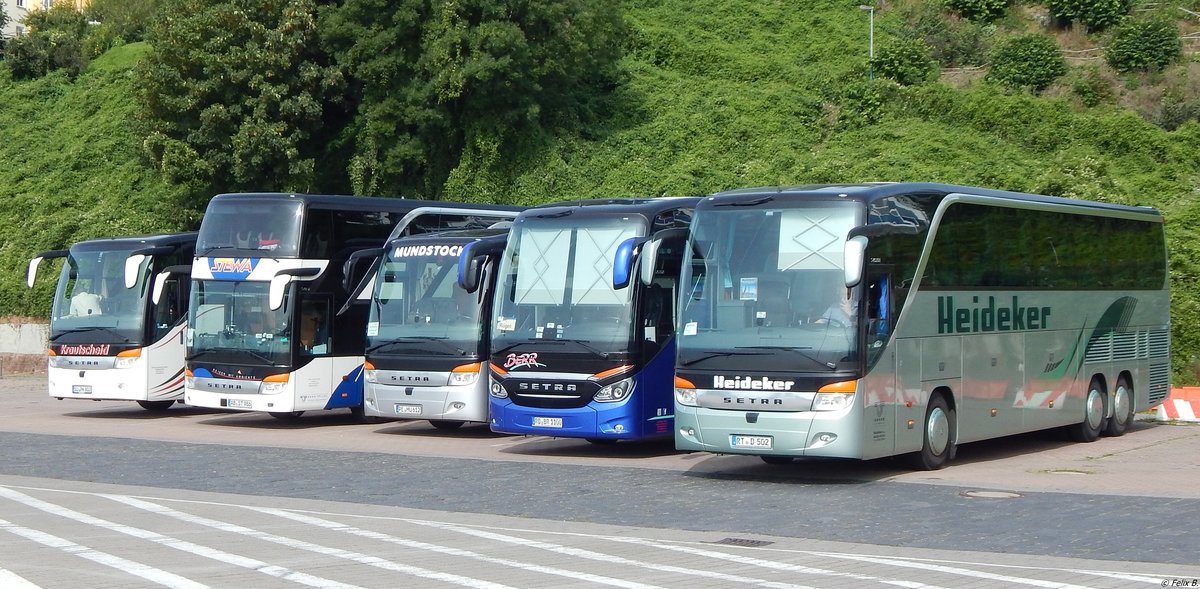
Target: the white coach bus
pixel 862 321
pixel 108 339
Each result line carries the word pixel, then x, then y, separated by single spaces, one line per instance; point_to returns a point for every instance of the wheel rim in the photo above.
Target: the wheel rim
pixel 1095 408
pixel 1121 403
pixel 937 430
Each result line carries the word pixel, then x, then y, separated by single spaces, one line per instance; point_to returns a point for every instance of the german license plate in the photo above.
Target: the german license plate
pixel 81 389
pixel 756 442
pixel 547 422
pixel 405 409
pixel 238 403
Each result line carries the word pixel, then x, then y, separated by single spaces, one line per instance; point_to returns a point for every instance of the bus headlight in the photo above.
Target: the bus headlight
pixel 617 391
pixel 274 384
pixel 127 358
pixel 497 390
pixel 370 376
pixel 465 374
pixel 835 396
pixel 685 392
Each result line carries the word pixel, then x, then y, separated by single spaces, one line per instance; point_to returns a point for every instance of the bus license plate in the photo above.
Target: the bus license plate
pixel 238 403
pixel 759 442
pixel 547 422
pixel 403 409
pixel 81 389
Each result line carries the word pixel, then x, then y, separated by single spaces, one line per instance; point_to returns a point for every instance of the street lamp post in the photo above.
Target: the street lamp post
pixel 870 39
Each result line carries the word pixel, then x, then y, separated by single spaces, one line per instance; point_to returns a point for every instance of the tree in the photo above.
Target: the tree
pixel 1144 45
pixel 1094 14
pixel 54 41
pixel 432 79
pixel 905 60
pixel 235 95
pixel 1030 61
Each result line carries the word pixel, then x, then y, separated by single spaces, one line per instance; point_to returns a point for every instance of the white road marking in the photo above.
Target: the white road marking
pixel 182 545
pixel 302 545
pixel 138 569
pixel 952 570
pixel 11 580
pixel 332 525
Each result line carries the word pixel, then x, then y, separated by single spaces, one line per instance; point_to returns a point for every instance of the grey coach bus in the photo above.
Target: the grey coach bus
pixel 863 321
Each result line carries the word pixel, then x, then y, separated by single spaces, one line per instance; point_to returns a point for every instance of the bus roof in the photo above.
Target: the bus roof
pixel 455 236
pixel 647 207
pixel 873 191
pixel 369 203
pixel 163 239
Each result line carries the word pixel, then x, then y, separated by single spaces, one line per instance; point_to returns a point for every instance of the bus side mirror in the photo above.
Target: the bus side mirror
pixel 472 258
pixel 351 264
pixel 132 263
pixel 623 261
pixel 161 278
pixel 645 248
pixel 280 281
pixel 855 254
pixel 31 271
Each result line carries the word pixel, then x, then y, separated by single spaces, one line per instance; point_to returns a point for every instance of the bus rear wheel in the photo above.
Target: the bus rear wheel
pixel 286 415
pixel 1122 417
pixel 445 425
pixel 938 444
pixel 1093 415
pixel 156 405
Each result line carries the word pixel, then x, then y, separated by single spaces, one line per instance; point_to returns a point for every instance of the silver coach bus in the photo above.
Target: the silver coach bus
pixel 863 321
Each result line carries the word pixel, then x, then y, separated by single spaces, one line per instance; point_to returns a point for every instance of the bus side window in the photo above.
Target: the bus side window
pixel 879 307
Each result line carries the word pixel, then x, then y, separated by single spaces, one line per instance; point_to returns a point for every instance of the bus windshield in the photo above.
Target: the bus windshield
pixel 91 303
pixel 268 226
pixel 233 318
pixel 555 283
pixel 418 308
pixel 764 290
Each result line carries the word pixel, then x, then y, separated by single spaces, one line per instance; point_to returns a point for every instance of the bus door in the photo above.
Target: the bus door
pixel 881 389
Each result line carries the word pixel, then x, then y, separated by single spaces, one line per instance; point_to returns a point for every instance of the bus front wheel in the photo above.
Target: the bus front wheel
pixel 1093 415
pixel 938 444
pixel 156 405
pixel 1122 416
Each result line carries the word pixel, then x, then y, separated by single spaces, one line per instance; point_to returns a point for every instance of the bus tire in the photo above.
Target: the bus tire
pixel 1093 415
pixel 773 459
pixel 445 425
pixel 286 415
pixel 938 432
pixel 1122 417
pixel 156 405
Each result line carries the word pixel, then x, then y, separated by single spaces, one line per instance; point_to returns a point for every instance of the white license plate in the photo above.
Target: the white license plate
pixel 238 403
pixel 759 442
pixel 402 409
pixel 81 389
pixel 547 422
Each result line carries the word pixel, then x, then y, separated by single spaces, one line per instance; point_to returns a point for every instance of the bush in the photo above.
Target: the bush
pixel 54 42
pixel 979 10
pixel 952 42
pixel 1091 87
pixel 1094 14
pixel 1030 61
pixel 1144 45
pixel 906 61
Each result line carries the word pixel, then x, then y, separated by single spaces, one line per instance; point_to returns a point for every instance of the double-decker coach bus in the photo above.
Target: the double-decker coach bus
pixel 875 320
pixel 108 339
pixel 580 347
pixel 428 328
pixel 270 328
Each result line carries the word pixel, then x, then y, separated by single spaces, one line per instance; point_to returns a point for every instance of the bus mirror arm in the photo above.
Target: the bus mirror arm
pixel 31 272
pixel 855 254
pixel 472 258
pixel 281 280
pixel 161 278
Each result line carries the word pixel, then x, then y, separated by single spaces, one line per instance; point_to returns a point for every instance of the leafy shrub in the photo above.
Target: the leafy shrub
pixel 1094 14
pixel 952 42
pixel 54 42
pixel 1030 61
pixel 1144 45
pixel 906 61
pixel 1091 87
pixel 979 10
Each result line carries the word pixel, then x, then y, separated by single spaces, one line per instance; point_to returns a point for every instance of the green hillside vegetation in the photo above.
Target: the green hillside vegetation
pixel 711 95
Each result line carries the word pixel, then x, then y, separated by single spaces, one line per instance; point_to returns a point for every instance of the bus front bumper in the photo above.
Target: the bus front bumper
pixel 832 434
pixel 467 403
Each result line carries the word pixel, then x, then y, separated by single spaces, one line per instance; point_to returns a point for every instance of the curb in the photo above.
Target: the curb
pixel 1182 405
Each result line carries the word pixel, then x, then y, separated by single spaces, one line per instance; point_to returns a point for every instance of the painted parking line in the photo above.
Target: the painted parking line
pixel 11 580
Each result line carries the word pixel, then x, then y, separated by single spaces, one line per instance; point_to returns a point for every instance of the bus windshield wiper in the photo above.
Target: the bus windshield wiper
pixel 829 365
pixel 430 338
pixel 749 203
pixel 211 249
pixel 710 354
pixel 583 343
pixel 258 356
pixel 124 338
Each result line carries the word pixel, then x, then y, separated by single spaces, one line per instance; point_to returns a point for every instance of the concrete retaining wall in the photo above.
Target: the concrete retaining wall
pixel 22 346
